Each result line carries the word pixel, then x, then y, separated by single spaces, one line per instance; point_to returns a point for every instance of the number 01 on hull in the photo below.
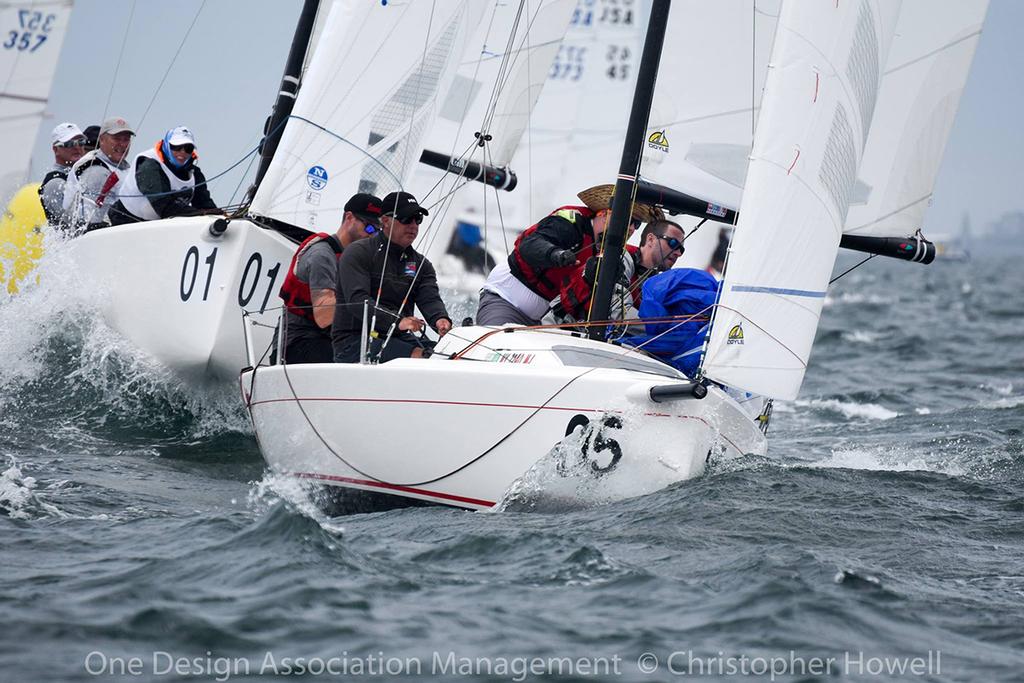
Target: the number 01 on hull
pixel 176 290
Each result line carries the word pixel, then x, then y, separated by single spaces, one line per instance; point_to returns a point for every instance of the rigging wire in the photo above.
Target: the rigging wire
pixel 177 52
pixel 332 451
pixel 120 56
pixel 852 268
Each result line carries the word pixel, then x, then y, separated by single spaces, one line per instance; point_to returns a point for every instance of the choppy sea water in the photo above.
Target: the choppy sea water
pixel 881 538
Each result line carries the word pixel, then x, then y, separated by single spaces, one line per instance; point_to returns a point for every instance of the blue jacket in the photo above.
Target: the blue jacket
pixel 679 292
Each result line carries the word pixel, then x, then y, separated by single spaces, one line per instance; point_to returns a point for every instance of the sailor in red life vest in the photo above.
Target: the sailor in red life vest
pixel 661 245
pixel 545 257
pixel 308 289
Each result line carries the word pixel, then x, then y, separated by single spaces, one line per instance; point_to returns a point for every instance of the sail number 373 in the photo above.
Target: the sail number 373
pixel 32 31
pixel 192 274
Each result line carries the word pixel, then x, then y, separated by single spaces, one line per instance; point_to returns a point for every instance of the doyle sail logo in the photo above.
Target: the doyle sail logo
pixel 735 334
pixel 316 177
pixel 658 141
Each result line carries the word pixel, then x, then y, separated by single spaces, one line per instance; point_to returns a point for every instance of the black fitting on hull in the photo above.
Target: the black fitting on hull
pixel 676 392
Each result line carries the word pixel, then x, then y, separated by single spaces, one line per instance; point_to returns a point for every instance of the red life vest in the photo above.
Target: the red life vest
pixel 547 282
pixel 295 291
pixel 576 291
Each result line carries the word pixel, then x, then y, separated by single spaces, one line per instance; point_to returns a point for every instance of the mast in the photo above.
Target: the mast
pixel 626 184
pixel 289 89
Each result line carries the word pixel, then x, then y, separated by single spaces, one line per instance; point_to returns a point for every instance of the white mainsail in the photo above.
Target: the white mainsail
pixel 827 64
pixel 369 97
pixel 927 69
pixel 31 34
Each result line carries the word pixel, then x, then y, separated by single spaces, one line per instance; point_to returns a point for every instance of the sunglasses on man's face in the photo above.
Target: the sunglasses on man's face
pixel 369 228
pixel 417 219
pixel 73 143
pixel 672 242
pixel 188 149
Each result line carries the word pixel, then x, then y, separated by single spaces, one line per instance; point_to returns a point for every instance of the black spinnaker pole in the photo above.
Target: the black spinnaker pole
pixel 629 167
pixel 289 90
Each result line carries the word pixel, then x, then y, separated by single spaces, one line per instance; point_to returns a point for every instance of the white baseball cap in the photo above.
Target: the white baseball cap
pixel 180 136
pixel 64 132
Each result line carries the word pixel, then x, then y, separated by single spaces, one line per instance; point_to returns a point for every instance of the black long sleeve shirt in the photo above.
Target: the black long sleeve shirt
pixel 360 271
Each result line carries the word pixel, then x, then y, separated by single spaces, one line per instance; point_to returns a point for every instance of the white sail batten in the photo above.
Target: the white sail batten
pixel 369 98
pixel 30 42
pixel 924 77
pixel 819 98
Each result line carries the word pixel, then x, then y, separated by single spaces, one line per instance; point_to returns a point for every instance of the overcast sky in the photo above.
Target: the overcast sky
pixel 223 83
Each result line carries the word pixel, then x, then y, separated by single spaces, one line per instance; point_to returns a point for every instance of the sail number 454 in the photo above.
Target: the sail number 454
pixel 247 286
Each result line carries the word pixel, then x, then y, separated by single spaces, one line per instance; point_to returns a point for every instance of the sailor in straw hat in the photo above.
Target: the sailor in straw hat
pixel 547 254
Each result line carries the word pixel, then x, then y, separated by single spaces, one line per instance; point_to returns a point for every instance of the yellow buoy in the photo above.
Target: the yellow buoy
pixel 21 236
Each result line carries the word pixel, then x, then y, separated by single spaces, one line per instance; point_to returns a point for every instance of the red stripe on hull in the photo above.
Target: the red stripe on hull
pixel 450 497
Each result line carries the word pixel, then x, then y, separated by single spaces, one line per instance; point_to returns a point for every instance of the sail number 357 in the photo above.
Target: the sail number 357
pixel 32 31
pixel 194 273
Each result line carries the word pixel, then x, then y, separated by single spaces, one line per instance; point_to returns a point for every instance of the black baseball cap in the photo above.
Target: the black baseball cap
pixel 403 205
pixel 92 134
pixel 366 207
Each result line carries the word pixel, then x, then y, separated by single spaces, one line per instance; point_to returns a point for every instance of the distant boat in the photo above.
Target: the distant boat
pixel 32 35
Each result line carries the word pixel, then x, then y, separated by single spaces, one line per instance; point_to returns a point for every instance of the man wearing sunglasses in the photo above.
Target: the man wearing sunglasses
pixel 308 289
pixel 163 182
pixel 68 143
pixel 545 257
pixel 661 245
pixel 394 279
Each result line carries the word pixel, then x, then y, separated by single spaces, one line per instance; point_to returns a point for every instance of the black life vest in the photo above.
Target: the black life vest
pixel 295 291
pixel 547 282
pixel 61 173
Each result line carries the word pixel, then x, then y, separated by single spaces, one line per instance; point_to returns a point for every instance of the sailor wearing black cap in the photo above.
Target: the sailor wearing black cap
pixel 308 289
pixel 394 278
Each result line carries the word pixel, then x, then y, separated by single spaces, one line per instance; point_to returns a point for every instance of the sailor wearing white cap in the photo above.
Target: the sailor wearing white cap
pixel 68 143
pixel 164 182
pixel 92 185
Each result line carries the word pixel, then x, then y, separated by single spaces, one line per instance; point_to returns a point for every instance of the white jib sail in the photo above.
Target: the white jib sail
pixel 368 99
pixel 820 94
pixel 924 77
pixel 31 34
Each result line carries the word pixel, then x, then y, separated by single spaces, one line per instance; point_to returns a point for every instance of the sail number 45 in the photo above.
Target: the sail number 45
pixel 247 286
pixel 33 28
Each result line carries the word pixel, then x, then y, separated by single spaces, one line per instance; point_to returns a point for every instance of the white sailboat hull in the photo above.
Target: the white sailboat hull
pixel 461 432
pixel 176 291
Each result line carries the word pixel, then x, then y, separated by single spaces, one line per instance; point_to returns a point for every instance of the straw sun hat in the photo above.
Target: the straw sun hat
pixel 599 198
